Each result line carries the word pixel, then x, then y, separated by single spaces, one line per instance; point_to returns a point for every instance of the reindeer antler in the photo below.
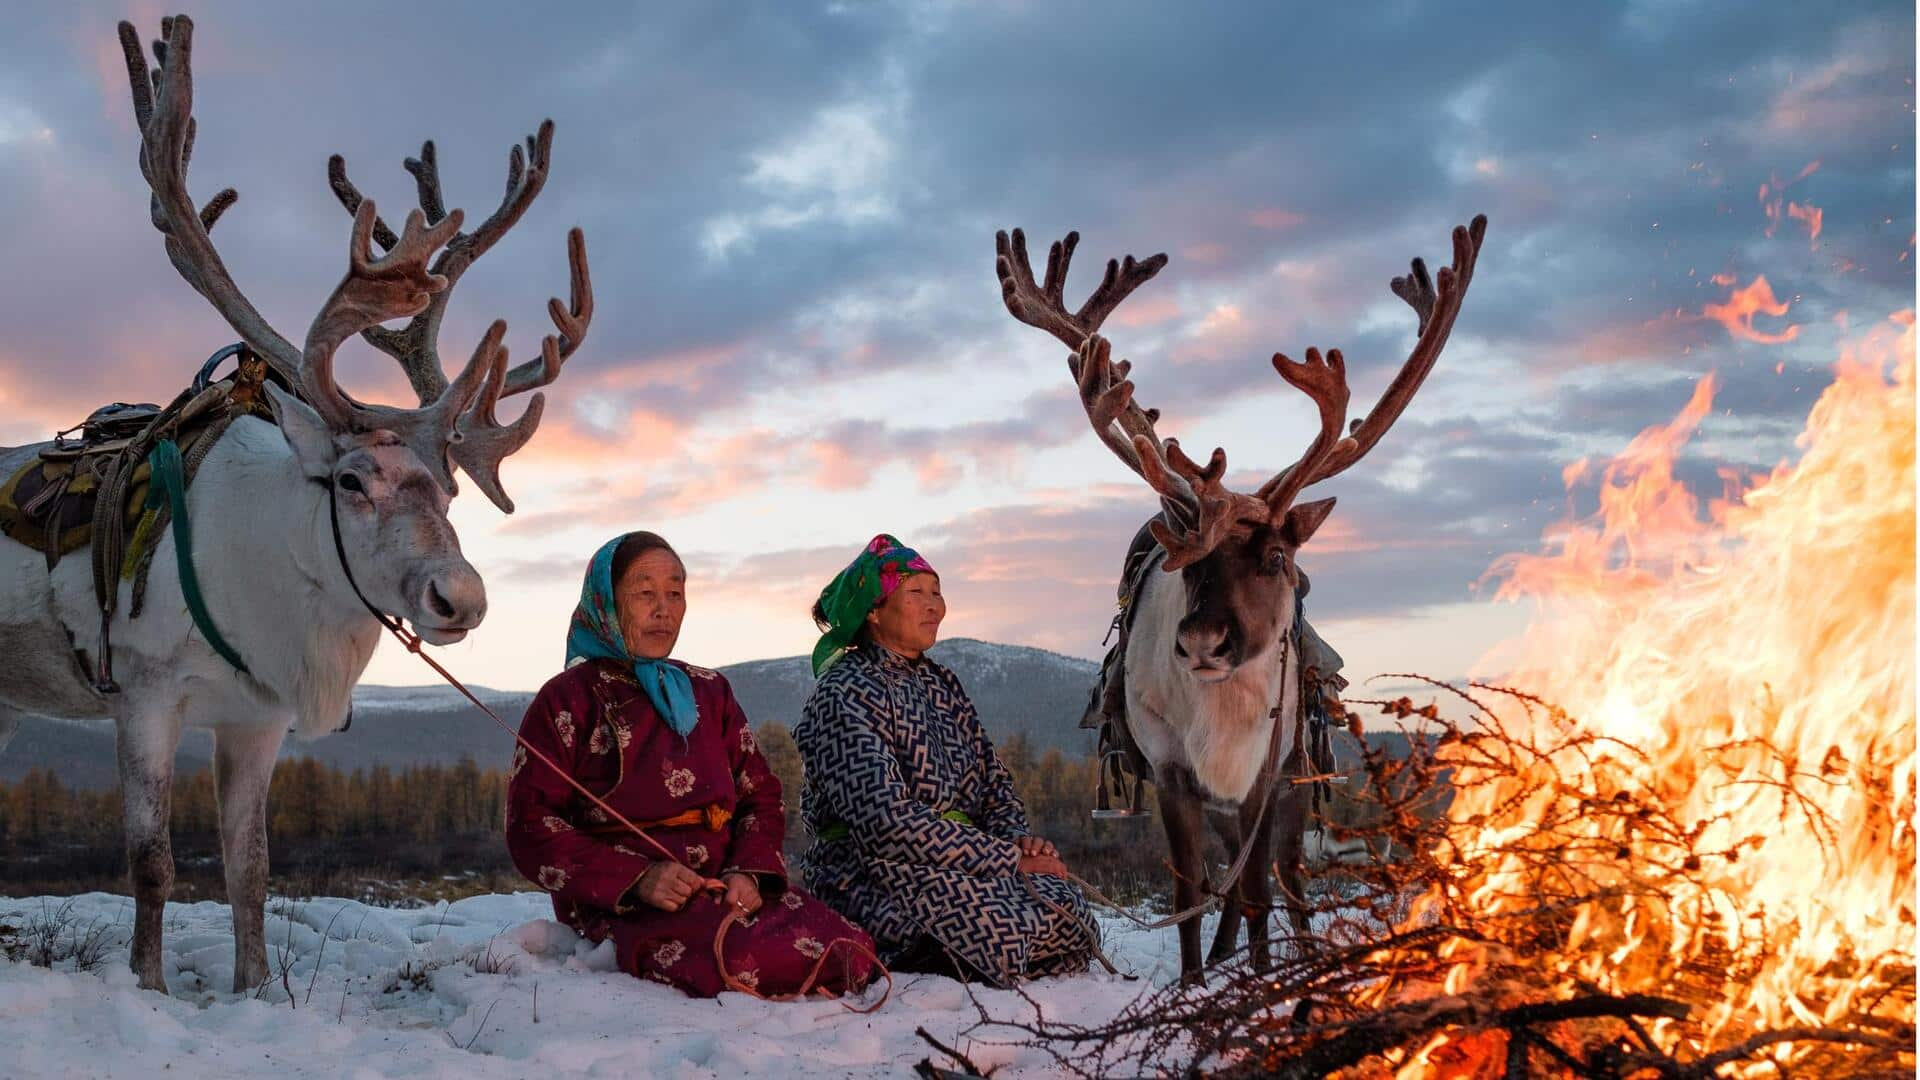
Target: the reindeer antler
pixel 481 442
pixel 1044 306
pixel 163 109
pixel 1200 510
pixel 394 286
pixel 375 290
pixel 1437 309
pixel 456 422
pixel 1324 380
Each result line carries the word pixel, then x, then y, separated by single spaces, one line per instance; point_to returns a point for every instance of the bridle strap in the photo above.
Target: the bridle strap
pixel 410 640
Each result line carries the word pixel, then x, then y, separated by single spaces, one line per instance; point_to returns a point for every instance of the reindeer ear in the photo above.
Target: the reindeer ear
pixel 1303 521
pixel 306 433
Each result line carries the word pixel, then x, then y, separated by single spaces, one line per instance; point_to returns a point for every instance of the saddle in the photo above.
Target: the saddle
pixel 48 503
pixel 1124 769
pixel 89 486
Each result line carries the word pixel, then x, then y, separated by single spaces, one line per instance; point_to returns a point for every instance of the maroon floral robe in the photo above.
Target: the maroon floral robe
pixel 595 720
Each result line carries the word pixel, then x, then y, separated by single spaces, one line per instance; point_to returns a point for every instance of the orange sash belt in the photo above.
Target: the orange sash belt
pixel 713 816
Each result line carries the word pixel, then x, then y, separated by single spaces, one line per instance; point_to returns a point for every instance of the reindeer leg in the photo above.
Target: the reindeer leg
pixel 146 743
pixel 1254 884
pixel 242 769
pixel 1180 812
pixel 1227 934
pixel 1291 810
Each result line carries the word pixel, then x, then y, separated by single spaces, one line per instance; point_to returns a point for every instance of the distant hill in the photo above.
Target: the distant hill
pixel 1016 689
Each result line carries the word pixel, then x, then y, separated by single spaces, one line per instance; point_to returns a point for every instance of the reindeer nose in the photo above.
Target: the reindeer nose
pixel 1206 643
pixel 455 597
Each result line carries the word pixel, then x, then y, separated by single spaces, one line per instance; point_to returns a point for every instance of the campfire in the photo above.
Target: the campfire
pixel 1679 841
pixel 1738 687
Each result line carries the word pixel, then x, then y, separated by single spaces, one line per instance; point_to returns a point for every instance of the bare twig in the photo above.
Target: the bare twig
pixel 928 1069
pixel 1424 950
pixel 478 1028
pixel 322 954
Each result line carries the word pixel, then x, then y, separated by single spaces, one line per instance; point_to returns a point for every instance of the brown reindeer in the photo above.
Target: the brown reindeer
pixel 300 526
pixel 1212 680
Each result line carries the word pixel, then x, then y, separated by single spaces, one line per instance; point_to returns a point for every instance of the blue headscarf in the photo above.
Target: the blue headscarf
pixel 594 634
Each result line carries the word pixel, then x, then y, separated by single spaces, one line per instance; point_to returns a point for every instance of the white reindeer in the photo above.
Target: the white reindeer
pixel 282 515
pixel 1208 667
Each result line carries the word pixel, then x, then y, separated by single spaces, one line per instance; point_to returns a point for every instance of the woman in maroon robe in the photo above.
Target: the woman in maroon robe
pixel 666 745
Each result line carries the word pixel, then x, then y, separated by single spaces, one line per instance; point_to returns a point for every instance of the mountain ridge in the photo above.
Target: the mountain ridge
pixel 1016 688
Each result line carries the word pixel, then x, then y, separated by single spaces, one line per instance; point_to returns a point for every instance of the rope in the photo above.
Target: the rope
pixel 108 538
pixel 807 985
pixel 1090 933
pixel 414 644
pixel 114 474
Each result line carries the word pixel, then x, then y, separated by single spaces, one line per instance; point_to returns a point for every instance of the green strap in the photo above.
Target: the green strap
pixel 170 483
pixel 837 830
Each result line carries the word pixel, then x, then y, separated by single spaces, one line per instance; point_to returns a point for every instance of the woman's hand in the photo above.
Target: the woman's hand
pixel 1033 845
pixel 743 892
pixel 1042 864
pixel 668 886
pixel 1038 856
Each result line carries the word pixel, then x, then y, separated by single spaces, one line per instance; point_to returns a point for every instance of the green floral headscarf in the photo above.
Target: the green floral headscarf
pixel 869 579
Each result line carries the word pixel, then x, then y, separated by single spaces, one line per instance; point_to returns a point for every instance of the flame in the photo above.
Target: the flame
pixel 1773 193
pixel 1810 214
pixel 1765 638
pixel 1740 309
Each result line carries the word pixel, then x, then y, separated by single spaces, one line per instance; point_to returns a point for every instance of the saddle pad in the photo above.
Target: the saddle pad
pixel 48 505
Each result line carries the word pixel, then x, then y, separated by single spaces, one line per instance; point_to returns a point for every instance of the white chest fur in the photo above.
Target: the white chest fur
pixel 1220 731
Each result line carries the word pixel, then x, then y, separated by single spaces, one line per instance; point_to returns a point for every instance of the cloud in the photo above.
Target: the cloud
pixel 789 212
pixel 840 169
pixel 1845 94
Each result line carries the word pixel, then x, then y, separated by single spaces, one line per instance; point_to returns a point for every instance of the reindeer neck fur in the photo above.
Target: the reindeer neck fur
pixel 279 592
pixel 1220 731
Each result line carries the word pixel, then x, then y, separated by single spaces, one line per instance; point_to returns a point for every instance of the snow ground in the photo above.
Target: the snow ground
pixel 489 986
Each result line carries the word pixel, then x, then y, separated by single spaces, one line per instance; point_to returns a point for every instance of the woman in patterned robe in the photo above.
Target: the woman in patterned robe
pixel 666 745
pixel 918 834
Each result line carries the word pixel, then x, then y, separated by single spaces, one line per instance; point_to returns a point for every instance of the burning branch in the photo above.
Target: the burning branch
pixel 1467 953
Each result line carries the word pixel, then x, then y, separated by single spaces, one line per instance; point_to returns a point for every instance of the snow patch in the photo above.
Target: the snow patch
pixel 488 986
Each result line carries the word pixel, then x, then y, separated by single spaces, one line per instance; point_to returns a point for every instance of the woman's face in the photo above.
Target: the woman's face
pixel 908 622
pixel 652 600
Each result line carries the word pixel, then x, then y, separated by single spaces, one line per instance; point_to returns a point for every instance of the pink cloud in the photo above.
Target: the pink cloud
pixel 1205 253
pixel 1274 218
pixel 838 466
pixel 1146 311
pixel 1846 96
pixel 1657 339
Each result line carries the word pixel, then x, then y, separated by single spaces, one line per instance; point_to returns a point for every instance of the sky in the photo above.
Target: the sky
pixel 799 340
